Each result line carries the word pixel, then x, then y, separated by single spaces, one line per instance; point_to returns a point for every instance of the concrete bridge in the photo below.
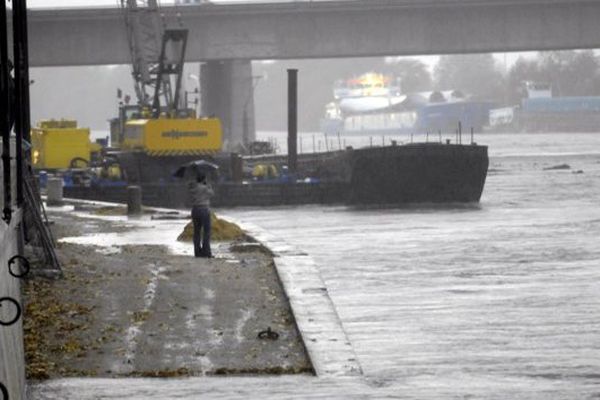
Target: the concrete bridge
pixel 226 37
pixel 326 29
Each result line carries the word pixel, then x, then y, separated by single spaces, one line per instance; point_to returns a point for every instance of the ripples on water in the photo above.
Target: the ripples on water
pixel 496 300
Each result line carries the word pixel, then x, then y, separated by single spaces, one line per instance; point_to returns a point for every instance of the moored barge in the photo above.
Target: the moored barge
pixel 390 175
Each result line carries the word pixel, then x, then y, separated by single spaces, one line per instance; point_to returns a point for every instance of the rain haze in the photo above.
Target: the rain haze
pixel 300 199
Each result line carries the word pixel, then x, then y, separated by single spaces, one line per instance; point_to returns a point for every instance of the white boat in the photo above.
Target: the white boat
pixel 372 104
pixel 366 104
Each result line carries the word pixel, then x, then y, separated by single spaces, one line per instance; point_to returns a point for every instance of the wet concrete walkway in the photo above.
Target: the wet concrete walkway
pixel 330 350
pixel 142 310
pixel 331 354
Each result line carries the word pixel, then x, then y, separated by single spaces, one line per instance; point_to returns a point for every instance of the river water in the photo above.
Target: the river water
pixel 498 297
pixel 496 300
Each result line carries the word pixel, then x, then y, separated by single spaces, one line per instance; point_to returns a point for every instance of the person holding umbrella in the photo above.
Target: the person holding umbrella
pixel 200 193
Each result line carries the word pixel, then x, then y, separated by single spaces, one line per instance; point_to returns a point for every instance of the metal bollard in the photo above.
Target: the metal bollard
pixel 134 200
pixel 236 165
pixel 55 192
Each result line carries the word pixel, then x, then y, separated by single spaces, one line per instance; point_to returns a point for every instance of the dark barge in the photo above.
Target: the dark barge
pixel 390 175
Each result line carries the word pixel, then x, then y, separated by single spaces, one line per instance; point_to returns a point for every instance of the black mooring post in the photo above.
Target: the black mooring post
pixel 25 77
pixel 22 119
pixel 5 112
pixel 292 120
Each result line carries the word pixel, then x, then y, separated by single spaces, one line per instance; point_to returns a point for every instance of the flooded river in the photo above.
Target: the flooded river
pixel 503 296
pixel 498 300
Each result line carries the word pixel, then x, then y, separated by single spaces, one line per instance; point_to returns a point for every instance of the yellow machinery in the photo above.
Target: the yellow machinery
pixel 61 144
pixel 173 136
pixel 265 172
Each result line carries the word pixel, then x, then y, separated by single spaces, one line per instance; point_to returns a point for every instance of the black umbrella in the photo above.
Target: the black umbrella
pixel 198 167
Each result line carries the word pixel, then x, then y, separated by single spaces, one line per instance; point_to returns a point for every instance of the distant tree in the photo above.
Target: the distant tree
pixel 570 73
pixel 523 70
pixel 474 74
pixel 413 74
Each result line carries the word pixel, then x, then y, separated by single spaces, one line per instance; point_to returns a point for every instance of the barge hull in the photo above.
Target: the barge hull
pixel 392 175
pixel 419 173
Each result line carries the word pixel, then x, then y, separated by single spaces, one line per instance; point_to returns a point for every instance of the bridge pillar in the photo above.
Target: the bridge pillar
pixel 227 93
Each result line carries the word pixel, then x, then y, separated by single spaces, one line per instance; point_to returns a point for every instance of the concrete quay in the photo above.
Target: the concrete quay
pixel 130 306
pixel 325 339
pixel 331 354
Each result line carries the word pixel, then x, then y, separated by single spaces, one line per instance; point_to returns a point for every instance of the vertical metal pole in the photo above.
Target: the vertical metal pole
pixel 459 132
pixel 18 105
pixel 292 119
pixel 245 140
pixel 471 135
pixel 314 149
pixel 5 109
pixel 25 76
pixel 22 107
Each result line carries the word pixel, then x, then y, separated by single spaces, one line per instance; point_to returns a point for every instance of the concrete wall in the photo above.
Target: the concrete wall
pixel 12 363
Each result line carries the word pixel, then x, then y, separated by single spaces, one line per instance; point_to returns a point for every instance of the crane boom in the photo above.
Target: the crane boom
pixel 157 55
pixel 144 32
